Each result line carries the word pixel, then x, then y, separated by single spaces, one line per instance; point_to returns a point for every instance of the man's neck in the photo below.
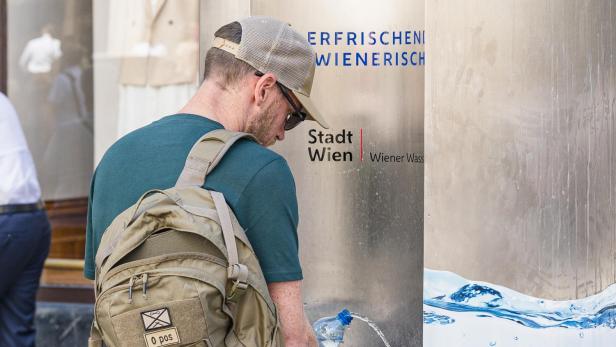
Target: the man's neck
pixel 218 104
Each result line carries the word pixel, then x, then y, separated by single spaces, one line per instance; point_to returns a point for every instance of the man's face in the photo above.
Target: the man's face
pixel 267 122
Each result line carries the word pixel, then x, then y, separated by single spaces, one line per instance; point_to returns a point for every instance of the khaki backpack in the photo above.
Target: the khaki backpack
pixel 176 268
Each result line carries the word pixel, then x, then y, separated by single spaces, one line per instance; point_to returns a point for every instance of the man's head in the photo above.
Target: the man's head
pixel 48 29
pixel 269 68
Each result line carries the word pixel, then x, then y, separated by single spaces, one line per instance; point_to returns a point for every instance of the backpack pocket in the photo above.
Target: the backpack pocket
pixel 160 308
pixel 177 322
pixel 255 324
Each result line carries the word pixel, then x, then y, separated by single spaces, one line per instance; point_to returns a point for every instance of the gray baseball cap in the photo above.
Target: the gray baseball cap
pixel 270 45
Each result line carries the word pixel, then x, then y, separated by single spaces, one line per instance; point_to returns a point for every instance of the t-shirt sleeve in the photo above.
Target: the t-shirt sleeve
pixel 90 252
pixel 270 203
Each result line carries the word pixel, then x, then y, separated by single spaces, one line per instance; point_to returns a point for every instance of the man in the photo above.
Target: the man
pixel 258 78
pixel 41 52
pixel 24 232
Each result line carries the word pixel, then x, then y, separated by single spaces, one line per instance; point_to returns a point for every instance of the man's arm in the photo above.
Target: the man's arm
pixel 269 214
pixel 296 329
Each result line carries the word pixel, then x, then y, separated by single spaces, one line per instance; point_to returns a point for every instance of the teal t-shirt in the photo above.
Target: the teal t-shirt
pixel 256 182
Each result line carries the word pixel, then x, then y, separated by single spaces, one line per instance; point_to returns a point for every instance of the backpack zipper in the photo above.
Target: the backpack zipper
pixel 144 290
pixel 157 259
pixel 144 276
pixel 130 288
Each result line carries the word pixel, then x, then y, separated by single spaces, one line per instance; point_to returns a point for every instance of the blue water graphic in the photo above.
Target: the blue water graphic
pixel 491 297
pixel 432 317
pixel 454 294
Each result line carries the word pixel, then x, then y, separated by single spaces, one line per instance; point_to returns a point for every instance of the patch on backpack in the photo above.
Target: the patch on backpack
pixel 159 338
pixel 156 319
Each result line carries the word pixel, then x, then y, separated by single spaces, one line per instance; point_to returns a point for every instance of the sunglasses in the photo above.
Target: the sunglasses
pixel 293 118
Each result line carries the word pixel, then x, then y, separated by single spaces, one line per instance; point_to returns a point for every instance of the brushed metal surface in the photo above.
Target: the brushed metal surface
pixel 361 222
pixel 520 150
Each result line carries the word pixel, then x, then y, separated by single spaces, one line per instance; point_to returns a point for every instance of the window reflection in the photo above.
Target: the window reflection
pixel 50 83
pixel 67 159
pixel 41 52
pixel 146 67
pixel 157 42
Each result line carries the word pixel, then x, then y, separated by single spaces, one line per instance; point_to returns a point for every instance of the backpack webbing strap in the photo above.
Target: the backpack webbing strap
pixel 205 155
pixel 236 272
pixel 95 339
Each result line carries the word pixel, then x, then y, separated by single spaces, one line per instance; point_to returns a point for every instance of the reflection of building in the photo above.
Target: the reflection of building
pixel 46 80
pixel 52 91
pixel 154 44
pixel 68 157
pixel 158 43
pixel 50 80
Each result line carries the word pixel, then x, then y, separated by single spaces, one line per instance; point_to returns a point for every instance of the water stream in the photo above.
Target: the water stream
pixel 373 326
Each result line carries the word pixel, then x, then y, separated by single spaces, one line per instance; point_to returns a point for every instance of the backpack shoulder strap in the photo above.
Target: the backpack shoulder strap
pixel 205 154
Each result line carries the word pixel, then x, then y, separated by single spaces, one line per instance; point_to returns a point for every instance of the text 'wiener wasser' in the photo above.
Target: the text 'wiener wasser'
pixel 380 157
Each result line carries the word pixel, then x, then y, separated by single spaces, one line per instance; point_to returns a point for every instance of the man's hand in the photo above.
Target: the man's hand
pixel 296 329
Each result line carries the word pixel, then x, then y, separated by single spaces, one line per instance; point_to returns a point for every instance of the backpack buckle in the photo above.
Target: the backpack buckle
pixel 238 273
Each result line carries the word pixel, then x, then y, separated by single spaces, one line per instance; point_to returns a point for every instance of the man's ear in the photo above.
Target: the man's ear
pixel 265 86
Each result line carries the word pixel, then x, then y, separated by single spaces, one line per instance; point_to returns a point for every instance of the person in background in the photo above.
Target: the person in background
pixel 38 61
pixel 24 232
pixel 68 157
pixel 41 52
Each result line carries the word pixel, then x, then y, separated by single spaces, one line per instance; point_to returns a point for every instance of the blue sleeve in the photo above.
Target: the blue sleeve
pixel 90 251
pixel 270 204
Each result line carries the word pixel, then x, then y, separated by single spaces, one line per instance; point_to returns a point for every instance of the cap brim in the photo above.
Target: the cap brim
pixel 311 110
